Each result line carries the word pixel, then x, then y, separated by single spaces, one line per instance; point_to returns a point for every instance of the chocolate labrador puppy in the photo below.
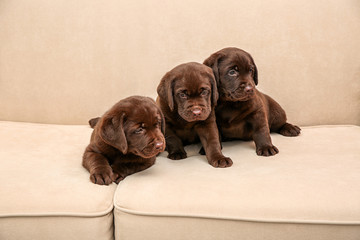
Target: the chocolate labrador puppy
pixel 243 112
pixel 187 96
pixel 125 140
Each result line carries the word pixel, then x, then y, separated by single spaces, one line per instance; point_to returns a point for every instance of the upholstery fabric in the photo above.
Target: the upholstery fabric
pixel 72 60
pixel 137 227
pixel 312 184
pixel 44 186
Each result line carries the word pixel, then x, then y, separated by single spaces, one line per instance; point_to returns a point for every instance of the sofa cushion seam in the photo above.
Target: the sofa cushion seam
pixel 284 221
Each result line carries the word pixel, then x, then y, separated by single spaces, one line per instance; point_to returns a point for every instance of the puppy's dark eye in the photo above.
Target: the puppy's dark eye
pixel 204 92
pixel 139 130
pixel 158 124
pixel 233 73
pixel 183 95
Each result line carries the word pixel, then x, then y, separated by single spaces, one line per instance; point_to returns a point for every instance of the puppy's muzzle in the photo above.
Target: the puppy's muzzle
pixel 249 89
pixel 153 148
pixel 159 145
pixel 196 110
pixel 242 93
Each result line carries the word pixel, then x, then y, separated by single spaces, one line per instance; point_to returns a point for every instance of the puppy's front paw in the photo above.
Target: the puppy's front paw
pixel 102 177
pixel 267 151
pixel 177 155
pixel 290 130
pixel 221 163
pixel 117 177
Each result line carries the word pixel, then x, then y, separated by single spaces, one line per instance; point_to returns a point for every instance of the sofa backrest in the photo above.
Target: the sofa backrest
pixel 67 61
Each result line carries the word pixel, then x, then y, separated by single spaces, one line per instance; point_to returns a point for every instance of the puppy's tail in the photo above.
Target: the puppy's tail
pixel 93 122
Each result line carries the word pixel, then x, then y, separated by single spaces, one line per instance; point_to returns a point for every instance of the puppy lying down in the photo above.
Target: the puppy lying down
pixel 243 112
pixel 125 140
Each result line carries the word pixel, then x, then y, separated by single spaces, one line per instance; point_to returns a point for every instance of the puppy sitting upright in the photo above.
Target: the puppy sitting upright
pixel 125 140
pixel 187 97
pixel 243 112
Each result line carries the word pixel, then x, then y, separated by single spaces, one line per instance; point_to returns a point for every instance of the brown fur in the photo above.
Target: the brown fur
pixel 125 140
pixel 243 112
pixel 187 97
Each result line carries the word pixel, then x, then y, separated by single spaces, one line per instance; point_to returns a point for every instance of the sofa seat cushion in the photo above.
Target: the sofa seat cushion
pixel 310 190
pixel 44 188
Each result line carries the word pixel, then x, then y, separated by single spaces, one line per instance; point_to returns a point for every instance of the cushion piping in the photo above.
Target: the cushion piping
pixel 61 214
pixel 302 221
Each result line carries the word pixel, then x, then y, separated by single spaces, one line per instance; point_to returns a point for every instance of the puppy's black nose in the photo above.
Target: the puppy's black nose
pixel 249 89
pixel 196 111
pixel 158 145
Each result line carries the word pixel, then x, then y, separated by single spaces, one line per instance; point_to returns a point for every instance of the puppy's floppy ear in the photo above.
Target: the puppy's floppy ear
pixel 162 121
pixel 165 89
pixel 255 76
pixel 214 90
pixel 213 62
pixel 112 131
pixel 93 122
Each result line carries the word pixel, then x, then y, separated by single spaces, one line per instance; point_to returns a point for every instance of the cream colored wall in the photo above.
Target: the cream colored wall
pixel 67 61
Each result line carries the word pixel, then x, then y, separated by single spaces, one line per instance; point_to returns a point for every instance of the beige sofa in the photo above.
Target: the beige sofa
pixel 63 62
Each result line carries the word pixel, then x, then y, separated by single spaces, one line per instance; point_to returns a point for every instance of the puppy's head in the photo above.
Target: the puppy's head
pixel 235 72
pixel 134 125
pixel 190 89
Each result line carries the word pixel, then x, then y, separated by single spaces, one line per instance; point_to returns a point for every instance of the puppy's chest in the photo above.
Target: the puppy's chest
pixel 187 135
pixel 234 123
pixel 228 115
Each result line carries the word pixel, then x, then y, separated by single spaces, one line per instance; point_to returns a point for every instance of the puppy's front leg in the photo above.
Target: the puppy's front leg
pixel 98 166
pixel 262 139
pixel 124 169
pixel 174 145
pixel 209 138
